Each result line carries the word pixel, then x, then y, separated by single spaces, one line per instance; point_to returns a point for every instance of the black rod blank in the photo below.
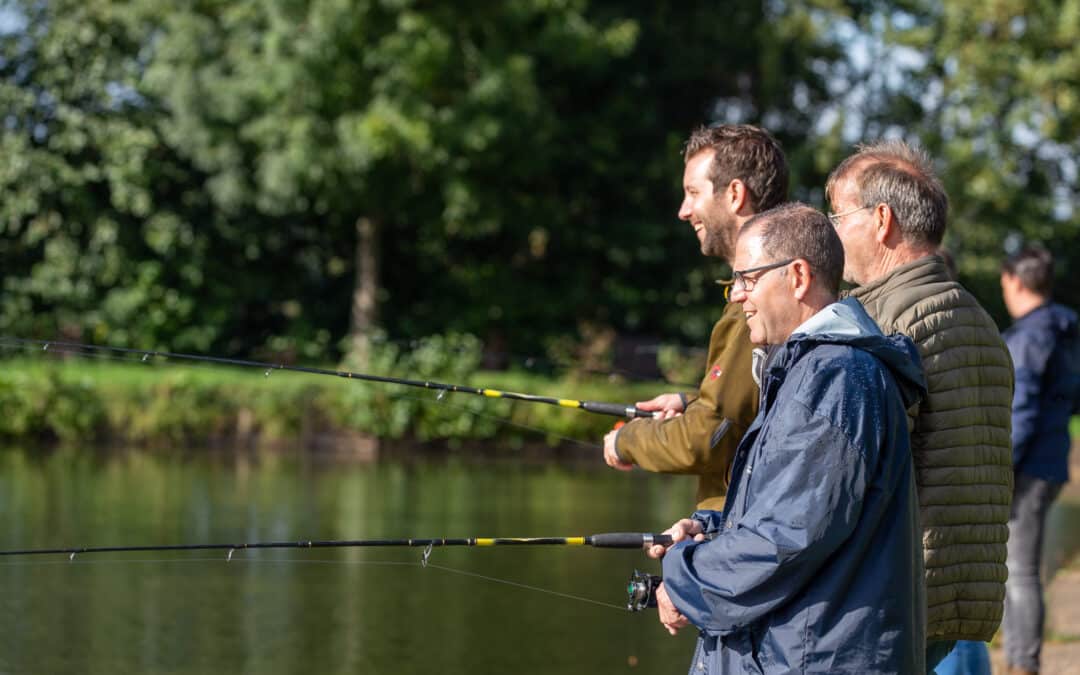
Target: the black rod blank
pixel 604 540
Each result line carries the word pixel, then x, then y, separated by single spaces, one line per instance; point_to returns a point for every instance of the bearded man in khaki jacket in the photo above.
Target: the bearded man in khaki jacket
pixel 889 209
pixel 732 172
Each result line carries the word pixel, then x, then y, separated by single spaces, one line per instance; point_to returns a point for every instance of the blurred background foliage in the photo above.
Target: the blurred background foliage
pixel 165 405
pixel 236 177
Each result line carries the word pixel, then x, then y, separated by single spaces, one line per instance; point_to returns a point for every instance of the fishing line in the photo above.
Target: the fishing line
pixel 59 348
pixel 526 586
pixel 317 561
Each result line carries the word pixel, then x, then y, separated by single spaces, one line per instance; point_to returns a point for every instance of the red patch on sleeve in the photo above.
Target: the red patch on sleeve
pixel 715 372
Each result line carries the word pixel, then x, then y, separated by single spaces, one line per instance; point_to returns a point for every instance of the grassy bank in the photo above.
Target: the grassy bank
pixel 75 400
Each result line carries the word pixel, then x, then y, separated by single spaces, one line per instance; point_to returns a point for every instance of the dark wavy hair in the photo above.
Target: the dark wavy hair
pixel 747 153
pixel 1034 266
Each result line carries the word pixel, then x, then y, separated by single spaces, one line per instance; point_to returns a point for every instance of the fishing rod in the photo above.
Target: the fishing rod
pixel 641 589
pixel 599 407
pixel 603 540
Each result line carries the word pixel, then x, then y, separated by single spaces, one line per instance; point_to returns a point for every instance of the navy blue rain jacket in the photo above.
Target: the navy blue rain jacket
pixel 816 563
pixel 1043 346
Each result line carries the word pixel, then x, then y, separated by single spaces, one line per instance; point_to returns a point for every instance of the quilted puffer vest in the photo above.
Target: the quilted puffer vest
pixel 960 441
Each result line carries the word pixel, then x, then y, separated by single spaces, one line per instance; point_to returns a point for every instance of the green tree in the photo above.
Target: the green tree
pixel 106 229
pixel 1008 125
pixel 509 169
pixel 91 244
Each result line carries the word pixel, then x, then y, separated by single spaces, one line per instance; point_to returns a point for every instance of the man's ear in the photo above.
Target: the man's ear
pixel 885 226
pixel 800 277
pixel 737 197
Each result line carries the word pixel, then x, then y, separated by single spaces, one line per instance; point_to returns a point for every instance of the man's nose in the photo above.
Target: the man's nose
pixel 684 210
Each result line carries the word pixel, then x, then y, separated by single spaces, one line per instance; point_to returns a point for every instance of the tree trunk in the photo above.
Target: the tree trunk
pixel 365 292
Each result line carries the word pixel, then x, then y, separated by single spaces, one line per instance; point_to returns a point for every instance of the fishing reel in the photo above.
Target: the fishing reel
pixel 641 591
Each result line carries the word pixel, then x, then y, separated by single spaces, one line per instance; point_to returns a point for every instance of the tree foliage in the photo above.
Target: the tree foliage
pixel 192 175
pixel 94 236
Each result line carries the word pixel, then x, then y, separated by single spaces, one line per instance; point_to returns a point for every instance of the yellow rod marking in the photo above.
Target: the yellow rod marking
pixel 491 393
pixel 485 541
pixel 567 403
pixel 575 541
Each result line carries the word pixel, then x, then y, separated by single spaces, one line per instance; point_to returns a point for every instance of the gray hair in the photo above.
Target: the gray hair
pixel 902 176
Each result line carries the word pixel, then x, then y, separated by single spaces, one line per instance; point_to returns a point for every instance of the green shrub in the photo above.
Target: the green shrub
pixel 44 402
pixel 399 411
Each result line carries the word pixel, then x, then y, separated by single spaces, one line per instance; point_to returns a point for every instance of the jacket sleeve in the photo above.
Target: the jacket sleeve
pixel 1030 353
pixel 816 484
pixel 704 437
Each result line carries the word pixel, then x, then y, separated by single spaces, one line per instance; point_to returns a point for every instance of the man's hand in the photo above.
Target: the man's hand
pixel 672 619
pixel 684 529
pixel 669 405
pixel 612 457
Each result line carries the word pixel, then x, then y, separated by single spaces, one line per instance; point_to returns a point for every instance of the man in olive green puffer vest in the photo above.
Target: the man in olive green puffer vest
pixel 890 210
pixel 732 172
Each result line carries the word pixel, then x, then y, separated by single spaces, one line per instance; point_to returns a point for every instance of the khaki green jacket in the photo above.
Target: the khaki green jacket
pixel 960 443
pixel 703 439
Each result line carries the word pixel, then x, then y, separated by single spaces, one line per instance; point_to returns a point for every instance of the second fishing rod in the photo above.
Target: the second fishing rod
pixel 641 589
pixel 77 348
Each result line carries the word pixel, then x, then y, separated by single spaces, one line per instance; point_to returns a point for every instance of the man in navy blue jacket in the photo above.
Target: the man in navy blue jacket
pixel 815 563
pixel 1044 347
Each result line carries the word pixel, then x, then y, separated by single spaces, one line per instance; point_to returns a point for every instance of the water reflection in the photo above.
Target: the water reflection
pixel 334 611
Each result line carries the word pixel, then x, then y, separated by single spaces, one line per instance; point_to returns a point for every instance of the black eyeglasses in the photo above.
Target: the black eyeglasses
pixel 743 279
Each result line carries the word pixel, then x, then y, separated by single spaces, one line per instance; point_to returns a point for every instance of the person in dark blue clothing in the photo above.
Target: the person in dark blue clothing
pixel 1044 347
pixel 815 563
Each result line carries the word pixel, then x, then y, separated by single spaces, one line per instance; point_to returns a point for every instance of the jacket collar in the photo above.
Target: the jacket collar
pixel 847 323
pixel 926 270
pixel 844 319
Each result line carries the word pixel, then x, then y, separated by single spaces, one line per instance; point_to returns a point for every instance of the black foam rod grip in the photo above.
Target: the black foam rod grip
pixel 628 539
pixel 616 409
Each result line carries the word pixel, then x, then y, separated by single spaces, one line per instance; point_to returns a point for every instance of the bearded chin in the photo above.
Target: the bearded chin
pixel 716 245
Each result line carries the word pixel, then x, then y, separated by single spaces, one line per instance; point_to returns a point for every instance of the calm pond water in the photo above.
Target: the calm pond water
pixel 473 610
pixel 325 610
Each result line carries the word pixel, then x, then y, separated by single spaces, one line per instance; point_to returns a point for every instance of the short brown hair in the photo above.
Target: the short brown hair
pixel 747 153
pixel 795 230
pixel 902 176
pixel 1034 266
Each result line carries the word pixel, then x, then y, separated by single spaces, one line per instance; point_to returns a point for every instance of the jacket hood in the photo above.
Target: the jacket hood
pixel 1057 318
pixel 846 322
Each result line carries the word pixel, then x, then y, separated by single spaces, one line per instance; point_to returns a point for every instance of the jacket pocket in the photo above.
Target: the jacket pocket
pixel 720 432
pixel 739 654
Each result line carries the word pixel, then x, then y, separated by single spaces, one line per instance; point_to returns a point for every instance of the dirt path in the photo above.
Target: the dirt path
pixel 1061 650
